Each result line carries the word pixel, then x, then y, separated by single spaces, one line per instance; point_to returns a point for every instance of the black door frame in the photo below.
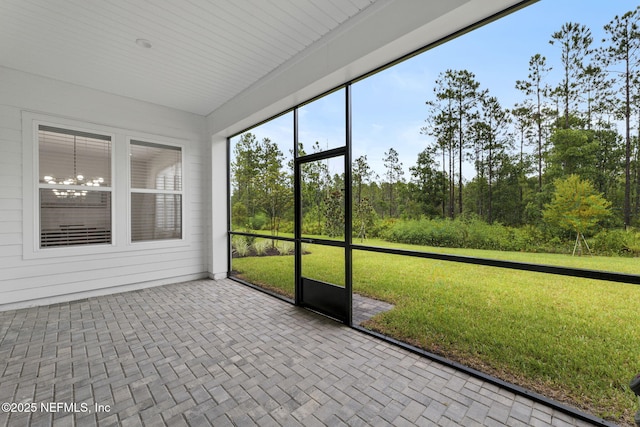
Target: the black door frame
pixel 334 301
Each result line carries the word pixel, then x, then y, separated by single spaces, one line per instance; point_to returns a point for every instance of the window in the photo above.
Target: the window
pixel 74 185
pixel 156 191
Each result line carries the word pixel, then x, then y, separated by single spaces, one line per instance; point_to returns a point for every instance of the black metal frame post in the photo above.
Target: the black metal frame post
pixel 297 209
pixel 348 212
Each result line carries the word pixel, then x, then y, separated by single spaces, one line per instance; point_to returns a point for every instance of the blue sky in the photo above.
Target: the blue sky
pixel 389 107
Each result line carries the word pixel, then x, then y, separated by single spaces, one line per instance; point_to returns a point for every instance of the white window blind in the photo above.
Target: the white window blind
pixel 156 191
pixel 74 186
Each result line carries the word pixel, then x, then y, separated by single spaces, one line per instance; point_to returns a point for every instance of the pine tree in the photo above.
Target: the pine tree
pixel 623 48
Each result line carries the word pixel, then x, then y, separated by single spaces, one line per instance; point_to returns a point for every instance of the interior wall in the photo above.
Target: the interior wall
pixel 39 280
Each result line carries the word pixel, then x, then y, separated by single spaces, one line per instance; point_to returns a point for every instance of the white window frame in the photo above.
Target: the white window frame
pixel 31 187
pixel 120 189
pixel 183 192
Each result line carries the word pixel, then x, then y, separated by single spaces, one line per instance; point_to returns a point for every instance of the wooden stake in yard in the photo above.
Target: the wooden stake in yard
pixel 578 244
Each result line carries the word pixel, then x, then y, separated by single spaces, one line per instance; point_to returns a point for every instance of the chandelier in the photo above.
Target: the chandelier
pixel 76 180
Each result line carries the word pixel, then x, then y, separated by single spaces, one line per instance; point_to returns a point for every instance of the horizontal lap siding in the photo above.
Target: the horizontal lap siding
pixel 10 193
pixel 23 280
pixel 40 274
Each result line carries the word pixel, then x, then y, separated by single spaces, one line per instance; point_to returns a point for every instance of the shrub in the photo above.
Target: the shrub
pixel 381 227
pixel 258 221
pixel 311 225
pixel 616 242
pixel 261 246
pixel 285 248
pixel 240 246
pixel 473 233
pixel 481 235
pixel 286 226
pixel 528 238
pixel 445 233
pixel 239 214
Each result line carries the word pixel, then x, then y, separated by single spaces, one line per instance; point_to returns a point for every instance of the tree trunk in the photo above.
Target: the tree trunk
pixel 627 151
pixel 490 207
pixel 444 186
pixel 460 168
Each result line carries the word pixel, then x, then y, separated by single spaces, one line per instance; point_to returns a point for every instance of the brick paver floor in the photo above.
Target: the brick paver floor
pixel 365 308
pixel 220 353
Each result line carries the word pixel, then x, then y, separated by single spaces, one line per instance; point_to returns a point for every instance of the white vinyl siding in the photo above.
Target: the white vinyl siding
pixel 46 275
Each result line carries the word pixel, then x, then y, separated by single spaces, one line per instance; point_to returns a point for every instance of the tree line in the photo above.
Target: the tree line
pixel 580 127
pixel 568 127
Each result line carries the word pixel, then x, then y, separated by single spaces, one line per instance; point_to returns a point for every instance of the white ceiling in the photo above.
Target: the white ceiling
pixel 204 52
pixel 234 58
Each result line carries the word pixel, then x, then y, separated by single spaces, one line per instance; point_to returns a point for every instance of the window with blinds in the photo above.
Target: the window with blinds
pixel 74 186
pixel 156 191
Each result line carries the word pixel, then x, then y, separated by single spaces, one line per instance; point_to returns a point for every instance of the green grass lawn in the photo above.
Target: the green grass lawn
pixel 571 339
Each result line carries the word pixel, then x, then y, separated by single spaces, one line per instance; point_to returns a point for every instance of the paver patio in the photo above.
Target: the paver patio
pixel 219 353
